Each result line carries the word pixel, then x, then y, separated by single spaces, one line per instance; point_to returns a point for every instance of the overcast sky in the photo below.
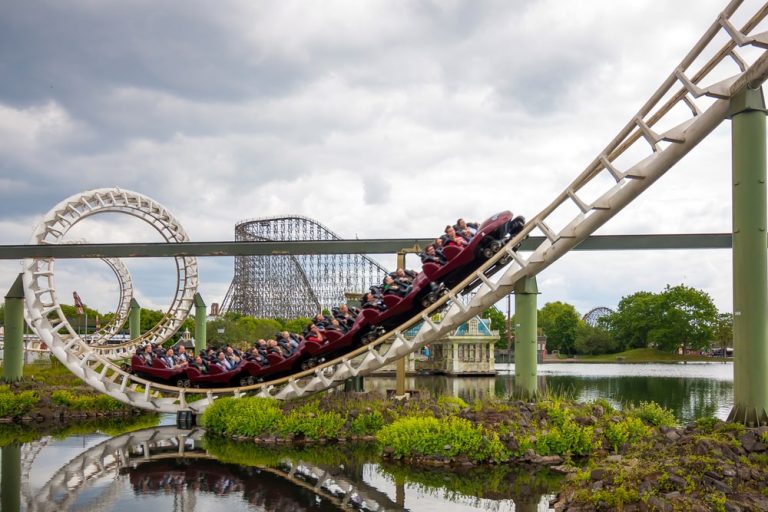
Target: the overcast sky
pixel 377 118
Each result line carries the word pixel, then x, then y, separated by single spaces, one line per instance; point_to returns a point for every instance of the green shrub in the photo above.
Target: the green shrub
pixel 449 437
pixel 248 416
pixel 568 439
pixel 313 424
pixel 653 414
pixel 451 404
pixel 629 430
pixel 99 403
pixel 707 424
pixel 366 423
pixel 17 404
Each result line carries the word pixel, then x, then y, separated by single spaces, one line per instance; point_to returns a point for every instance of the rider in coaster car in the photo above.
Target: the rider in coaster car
pixel 372 301
pixel 226 364
pixel 315 335
pixel 146 354
pixel 431 255
pixel 392 287
pixel 403 276
pixel 466 229
pixel 345 315
pixel 275 347
pixel 256 356
pixel 451 238
pixel 321 320
pixel 200 364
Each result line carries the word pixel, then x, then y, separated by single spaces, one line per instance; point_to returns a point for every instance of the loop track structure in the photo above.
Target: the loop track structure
pixel 688 105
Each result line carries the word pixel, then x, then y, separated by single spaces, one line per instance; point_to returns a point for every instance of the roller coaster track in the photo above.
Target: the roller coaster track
pixel 102 335
pixel 163 443
pixel 56 225
pixel 688 105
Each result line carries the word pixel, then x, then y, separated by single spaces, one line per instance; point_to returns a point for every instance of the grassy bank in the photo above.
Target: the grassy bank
pixel 638 355
pixel 49 392
pixel 632 459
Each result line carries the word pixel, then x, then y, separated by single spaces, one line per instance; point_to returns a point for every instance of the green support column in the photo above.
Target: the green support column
pixel 526 326
pixel 400 368
pixel 10 478
pixel 201 327
pixel 750 260
pixel 13 345
pixel 134 319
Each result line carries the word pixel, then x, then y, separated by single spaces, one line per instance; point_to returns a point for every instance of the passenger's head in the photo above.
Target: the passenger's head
pixel 285 334
pixel 431 250
pixel 198 360
pixel 169 352
pixel 343 309
pixel 400 272
pixel 182 349
pixel 450 231
pixel 461 223
pixel 221 356
pixel 388 280
pixel 438 242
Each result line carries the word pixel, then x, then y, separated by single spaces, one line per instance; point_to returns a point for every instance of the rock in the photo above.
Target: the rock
pixel 659 504
pixel 597 474
pixel 730 507
pixel 548 460
pixel 613 458
pixel 564 469
pixel 717 484
pixel 672 435
pixel 676 481
pixel 751 442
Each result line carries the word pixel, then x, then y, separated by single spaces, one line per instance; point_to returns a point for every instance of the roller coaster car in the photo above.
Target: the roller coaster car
pixel 218 376
pixel 159 372
pixel 279 365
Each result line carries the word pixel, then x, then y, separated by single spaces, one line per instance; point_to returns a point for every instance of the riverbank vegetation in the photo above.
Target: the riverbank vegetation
pixel 49 392
pixel 614 459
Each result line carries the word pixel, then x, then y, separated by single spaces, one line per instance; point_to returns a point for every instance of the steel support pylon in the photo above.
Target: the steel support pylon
pixel 13 346
pixel 750 260
pixel 526 326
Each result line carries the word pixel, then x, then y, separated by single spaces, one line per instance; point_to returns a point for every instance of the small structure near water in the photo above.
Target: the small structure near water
pixel 469 350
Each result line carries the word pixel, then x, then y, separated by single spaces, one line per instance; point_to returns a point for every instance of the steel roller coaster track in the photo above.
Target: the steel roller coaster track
pixel 688 105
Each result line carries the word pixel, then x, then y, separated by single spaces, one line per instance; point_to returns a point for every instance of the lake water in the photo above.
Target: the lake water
pixel 167 469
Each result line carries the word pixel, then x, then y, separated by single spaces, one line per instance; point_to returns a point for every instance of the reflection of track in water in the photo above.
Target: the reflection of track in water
pixel 141 453
pixel 691 102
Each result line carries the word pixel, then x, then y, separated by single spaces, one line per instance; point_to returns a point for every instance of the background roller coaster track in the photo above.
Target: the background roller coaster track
pixel 680 114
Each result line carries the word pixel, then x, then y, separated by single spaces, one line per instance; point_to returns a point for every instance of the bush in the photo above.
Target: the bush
pixel 99 403
pixel 630 431
pixel 449 437
pixel 366 424
pixel 250 416
pixel 313 424
pixel 653 414
pixel 567 439
pixel 16 404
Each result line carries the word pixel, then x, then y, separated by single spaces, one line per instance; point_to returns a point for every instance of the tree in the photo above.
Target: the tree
pixel 559 322
pixel 498 323
pixel 679 315
pixel 594 340
pixel 633 319
pixel 723 332
pixel 688 317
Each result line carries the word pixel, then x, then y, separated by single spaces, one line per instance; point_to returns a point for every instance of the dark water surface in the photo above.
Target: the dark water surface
pixel 167 469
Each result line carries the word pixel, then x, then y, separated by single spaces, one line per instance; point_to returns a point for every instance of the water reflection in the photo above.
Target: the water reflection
pixel 690 391
pixel 165 468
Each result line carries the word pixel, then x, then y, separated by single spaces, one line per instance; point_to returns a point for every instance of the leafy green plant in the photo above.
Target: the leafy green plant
pixel 448 437
pixel 630 430
pixel 451 404
pixel 248 416
pixel 99 403
pixel 567 439
pixel 366 423
pixel 653 414
pixel 313 425
pixel 17 404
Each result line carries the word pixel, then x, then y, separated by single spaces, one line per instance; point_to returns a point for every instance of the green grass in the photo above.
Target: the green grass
pixel 644 355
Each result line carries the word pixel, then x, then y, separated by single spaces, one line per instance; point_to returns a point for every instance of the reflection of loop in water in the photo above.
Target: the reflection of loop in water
pixel 149 456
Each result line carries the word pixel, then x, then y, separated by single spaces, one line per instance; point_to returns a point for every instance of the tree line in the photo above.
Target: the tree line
pixel 678 316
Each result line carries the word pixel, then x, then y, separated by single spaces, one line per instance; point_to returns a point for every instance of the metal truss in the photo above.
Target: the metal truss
pixel 294 285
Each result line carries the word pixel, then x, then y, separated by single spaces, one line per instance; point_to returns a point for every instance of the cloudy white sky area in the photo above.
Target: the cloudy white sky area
pixel 377 118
